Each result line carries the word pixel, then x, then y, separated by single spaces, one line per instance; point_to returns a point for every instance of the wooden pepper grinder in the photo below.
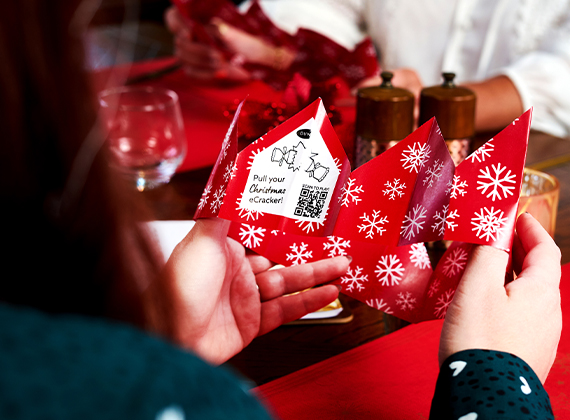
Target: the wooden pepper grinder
pixel 454 109
pixel 384 115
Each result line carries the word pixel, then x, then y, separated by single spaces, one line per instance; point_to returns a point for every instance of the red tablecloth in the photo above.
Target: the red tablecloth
pixel 391 378
pixel 203 105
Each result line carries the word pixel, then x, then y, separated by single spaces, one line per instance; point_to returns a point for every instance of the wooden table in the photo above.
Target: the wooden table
pixel 292 347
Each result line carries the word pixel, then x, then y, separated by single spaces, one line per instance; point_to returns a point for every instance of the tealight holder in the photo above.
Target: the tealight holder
pixel 540 193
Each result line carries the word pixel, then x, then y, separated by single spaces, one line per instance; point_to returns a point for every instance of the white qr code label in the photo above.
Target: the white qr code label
pixel 294 177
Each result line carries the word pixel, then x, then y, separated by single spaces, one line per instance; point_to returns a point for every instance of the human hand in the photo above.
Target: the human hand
pixel 403 78
pixel 218 307
pixel 498 103
pixel 523 317
pixel 409 79
pixel 200 60
pixel 206 62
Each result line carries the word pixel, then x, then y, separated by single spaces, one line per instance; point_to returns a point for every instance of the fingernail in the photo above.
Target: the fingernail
pixel 349 257
pixel 222 27
pixel 339 287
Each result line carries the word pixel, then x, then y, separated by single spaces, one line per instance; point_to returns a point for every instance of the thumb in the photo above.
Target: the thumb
pixel 175 22
pixel 238 41
pixel 206 238
pixel 212 227
pixel 485 271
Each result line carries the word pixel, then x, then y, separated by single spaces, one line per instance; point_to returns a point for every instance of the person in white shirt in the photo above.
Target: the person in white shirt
pixel 513 53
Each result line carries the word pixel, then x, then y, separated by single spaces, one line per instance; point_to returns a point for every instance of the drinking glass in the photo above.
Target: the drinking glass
pixel 145 133
pixel 539 197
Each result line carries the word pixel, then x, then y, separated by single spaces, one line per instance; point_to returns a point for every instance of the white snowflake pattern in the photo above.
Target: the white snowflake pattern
pixel 234 170
pixel 204 198
pixel 489 224
pixel 443 303
pixel 433 287
pixel 372 224
pixel 412 222
pixel 449 220
pixel 299 254
pixel 405 301
pixel 456 187
pixel 336 246
pixel 276 232
pixel 444 221
pixel 353 71
pixel 419 256
pixel 439 218
pixel 251 236
pixel 434 173
pixel 227 142
pixel 251 158
pixel 415 156
pixel 337 164
pixel 248 214
pixel 218 199
pixel 482 152
pixel 329 51
pixel 350 193
pixel 455 262
pixel 394 188
pixel 354 278
pixel 228 172
pixel 309 225
pixel 225 150
pixel 389 270
pixel 379 304
pixel 496 182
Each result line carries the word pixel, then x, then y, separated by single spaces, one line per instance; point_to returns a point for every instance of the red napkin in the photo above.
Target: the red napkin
pixel 258 116
pixel 317 57
pixel 392 377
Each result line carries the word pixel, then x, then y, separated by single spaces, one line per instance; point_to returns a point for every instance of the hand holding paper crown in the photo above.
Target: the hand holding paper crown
pixel 292 198
pixel 313 55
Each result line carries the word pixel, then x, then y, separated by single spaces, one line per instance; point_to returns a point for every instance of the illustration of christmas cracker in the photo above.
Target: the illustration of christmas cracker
pixel 292 198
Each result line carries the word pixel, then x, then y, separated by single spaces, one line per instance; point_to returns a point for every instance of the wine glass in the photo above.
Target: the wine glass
pixel 145 133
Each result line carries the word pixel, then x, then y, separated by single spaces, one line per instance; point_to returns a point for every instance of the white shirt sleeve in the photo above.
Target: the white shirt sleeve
pixel 541 74
pixel 542 78
pixel 339 20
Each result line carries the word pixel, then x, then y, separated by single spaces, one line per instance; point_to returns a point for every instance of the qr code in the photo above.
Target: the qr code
pixel 311 203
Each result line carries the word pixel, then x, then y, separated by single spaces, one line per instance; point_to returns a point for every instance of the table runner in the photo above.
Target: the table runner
pixel 392 377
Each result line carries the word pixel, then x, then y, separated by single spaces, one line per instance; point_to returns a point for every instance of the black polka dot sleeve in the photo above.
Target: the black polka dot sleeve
pixel 486 384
